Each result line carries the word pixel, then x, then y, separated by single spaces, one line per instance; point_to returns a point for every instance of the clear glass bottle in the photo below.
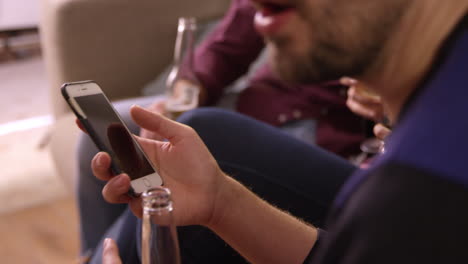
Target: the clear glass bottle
pixel 160 244
pixel 183 87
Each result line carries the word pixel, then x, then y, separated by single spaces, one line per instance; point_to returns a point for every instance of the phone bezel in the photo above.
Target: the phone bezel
pixel 77 89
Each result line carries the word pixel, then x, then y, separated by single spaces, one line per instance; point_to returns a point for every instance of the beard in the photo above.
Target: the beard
pixel 323 63
pixel 340 41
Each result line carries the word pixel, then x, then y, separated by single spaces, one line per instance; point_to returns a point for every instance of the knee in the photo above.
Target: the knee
pixel 205 119
pixel 211 124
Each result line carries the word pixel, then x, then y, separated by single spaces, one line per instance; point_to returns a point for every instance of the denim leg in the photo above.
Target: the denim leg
pixel 124 232
pixel 303 168
pixel 97 215
pixel 305 130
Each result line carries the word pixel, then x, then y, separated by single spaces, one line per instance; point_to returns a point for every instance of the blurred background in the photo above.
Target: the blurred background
pixel 124 46
pixel 37 213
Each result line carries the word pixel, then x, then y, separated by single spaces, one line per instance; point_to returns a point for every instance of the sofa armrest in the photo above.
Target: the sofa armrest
pixel 121 44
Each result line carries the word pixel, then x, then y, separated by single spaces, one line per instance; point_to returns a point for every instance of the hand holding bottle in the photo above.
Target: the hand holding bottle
pixel 187 167
pixel 362 101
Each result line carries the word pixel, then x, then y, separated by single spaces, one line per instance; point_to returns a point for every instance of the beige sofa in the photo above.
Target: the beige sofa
pixel 121 44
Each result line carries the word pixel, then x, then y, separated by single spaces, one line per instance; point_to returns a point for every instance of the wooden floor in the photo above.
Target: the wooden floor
pixel 46 233
pixel 43 234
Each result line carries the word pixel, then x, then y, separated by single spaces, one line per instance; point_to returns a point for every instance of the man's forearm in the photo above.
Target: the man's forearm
pixel 259 231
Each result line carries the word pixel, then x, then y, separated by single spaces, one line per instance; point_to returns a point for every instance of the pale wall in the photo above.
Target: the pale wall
pixel 16 14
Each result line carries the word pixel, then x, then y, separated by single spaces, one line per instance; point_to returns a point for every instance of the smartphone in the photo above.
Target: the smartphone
pixel 110 134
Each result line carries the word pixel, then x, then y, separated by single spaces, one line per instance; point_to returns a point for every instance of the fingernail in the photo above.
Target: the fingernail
pixel 106 242
pixel 120 181
pixel 100 160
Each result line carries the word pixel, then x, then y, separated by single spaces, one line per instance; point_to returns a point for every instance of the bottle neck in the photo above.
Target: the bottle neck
pixel 160 217
pixel 185 42
pixel 157 206
pixel 159 241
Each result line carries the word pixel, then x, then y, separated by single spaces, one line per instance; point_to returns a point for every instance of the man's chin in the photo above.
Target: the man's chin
pixel 294 70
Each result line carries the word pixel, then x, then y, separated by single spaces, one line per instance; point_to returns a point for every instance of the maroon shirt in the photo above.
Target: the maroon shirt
pixel 227 54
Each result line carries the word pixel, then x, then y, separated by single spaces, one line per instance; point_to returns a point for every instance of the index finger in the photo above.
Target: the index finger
pixel 362 96
pixel 169 129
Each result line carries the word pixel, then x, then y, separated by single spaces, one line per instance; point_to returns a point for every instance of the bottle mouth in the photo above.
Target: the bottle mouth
pixel 187 23
pixel 157 199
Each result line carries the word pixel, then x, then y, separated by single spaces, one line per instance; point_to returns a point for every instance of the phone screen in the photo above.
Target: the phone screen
pixel 118 142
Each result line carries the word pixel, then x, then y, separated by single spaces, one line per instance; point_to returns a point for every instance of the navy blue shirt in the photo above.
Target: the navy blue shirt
pixel 411 206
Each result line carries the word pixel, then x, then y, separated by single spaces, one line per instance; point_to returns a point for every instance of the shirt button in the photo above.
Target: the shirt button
pixel 282 118
pixel 324 111
pixel 297 114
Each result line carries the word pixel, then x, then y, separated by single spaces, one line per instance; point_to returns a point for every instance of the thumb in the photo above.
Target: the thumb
pixel 169 129
pixel 110 254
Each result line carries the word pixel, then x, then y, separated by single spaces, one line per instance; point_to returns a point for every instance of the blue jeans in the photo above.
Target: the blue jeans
pixel 293 175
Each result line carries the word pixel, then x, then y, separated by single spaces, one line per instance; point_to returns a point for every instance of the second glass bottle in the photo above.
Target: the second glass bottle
pixel 183 87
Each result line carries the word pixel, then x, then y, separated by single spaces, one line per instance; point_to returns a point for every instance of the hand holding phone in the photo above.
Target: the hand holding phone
pixel 110 134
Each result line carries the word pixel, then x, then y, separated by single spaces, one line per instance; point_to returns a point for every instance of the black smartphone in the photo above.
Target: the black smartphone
pixel 110 134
